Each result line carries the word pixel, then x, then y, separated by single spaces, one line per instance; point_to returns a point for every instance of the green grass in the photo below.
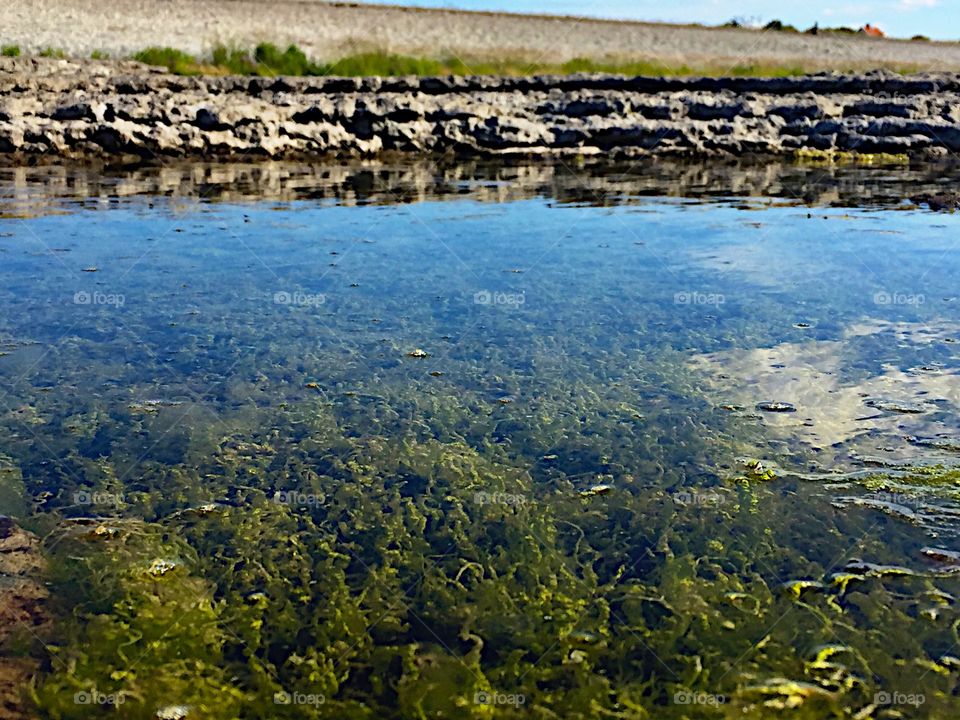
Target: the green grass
pixel 268 60
pixel 176 61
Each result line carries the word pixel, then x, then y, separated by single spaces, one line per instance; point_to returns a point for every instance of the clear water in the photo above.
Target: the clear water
pixel 477 442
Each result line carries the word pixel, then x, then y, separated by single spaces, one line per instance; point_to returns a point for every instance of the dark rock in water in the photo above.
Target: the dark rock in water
pixel 895 406
pixel 942 554
pixel 776 407
pixel 941 201
pixel 945 444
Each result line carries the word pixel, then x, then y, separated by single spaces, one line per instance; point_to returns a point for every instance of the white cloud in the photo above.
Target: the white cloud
pixel 915 4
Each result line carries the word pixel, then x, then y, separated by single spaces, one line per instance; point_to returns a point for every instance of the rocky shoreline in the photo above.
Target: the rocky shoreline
pixel 85 110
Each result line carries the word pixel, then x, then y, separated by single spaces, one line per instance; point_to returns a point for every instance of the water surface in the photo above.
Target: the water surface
pixel 478 441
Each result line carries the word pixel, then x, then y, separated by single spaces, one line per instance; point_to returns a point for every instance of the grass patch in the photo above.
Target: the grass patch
pixel 176 61
pixel 266 60
pixel 269 60
pixel 10 51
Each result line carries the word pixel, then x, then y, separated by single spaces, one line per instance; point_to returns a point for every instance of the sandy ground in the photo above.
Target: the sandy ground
pixel 327 30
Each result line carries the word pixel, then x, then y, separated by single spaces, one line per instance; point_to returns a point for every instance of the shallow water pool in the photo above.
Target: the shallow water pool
pixel 476 441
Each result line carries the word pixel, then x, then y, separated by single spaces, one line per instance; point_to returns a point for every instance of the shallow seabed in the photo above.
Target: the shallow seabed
pixel 387 441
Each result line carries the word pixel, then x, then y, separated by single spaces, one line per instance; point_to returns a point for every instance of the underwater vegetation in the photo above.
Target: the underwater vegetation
pixel 297 459
pixel 410 578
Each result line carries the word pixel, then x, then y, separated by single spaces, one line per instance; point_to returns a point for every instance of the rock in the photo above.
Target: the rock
pixel 23 598
pixel 87 109
pixel 209 120
pixel 946 200
pixel 76 111
pixel 718 109
pixel 776 407
pixel 896 406
pixel 11 138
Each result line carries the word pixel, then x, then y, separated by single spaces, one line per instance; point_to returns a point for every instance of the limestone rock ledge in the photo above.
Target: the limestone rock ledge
pixel 123 110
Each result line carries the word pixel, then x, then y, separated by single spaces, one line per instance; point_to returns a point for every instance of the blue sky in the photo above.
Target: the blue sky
pixel 901 18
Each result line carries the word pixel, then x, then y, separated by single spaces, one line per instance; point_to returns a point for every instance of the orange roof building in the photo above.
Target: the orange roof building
pixel 872 30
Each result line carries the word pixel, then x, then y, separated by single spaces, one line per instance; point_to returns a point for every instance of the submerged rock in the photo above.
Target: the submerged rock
pixel 944 444
pixel 23 606
pixel 776 407
pixel 941 554
pixel 895 406
pixel 598 489
pixel 173 712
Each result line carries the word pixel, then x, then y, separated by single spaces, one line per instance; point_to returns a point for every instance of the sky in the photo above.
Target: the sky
pixel 938 19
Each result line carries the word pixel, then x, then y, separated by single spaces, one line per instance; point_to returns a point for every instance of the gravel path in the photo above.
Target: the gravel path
pixel 327 30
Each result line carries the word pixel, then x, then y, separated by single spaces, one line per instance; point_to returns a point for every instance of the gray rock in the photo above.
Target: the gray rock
pixel 86 109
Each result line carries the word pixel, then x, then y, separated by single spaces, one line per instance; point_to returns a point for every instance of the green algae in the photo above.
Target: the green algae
pixel 397 596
